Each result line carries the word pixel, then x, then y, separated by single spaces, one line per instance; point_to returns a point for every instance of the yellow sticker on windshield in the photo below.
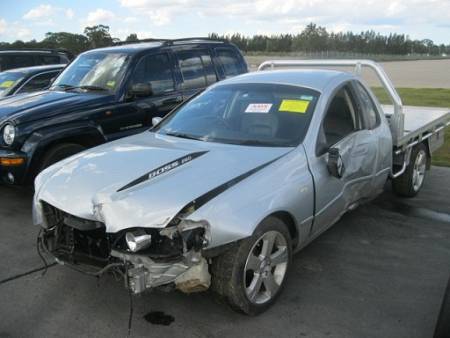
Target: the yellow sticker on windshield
pixel 294 106
pixel 111 84
pixel 6 84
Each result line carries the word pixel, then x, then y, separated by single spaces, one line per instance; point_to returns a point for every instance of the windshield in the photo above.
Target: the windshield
pixel 93 71
pixel 8 80
pixel 249 114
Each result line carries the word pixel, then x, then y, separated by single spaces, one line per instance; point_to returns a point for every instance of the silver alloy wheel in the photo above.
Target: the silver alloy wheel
pixel 265 268
pixel 420 165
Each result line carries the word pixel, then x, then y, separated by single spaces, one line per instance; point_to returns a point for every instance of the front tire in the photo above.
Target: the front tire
pixel 58 153
pixel 410 183
pixel 251 277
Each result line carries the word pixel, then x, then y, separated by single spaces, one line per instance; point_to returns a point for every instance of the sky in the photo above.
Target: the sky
pixel 420 19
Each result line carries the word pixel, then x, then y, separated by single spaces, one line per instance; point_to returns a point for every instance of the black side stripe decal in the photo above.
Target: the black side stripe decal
pixel 205 198
pixel 163 169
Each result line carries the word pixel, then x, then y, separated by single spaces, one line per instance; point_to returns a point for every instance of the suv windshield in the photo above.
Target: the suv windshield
pixel 94 71
pixel 269 115
pixel 8 80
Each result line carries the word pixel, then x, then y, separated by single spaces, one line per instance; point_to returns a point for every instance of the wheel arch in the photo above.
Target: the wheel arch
pixel 40 142
pixel 288 219
pixel 428 148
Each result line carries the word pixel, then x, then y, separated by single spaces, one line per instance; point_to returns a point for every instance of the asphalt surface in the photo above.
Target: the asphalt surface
pixel 380 272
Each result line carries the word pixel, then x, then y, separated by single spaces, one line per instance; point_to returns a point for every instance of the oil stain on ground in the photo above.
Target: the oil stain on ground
pixel 159 318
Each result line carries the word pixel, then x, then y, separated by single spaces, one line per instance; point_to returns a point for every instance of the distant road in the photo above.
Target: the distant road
pixel 415 74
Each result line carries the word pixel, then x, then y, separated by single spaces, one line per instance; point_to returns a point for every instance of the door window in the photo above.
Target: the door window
pixel 231 64
pixel 19 61
pixel 47 60
pixel 341 118
pixel 368 107
pixel 38 82
pixel 157 71
pixel 196 68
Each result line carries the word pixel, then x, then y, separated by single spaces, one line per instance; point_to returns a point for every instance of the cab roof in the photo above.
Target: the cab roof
pixel 317 79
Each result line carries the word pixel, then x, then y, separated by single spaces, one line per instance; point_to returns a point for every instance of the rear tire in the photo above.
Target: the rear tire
pixel 251 276
pixel 410 183
pixel 58 153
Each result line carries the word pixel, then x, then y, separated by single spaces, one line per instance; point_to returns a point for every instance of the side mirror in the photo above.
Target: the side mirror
pixel 156 120
pixel 141 90
pixel 335 165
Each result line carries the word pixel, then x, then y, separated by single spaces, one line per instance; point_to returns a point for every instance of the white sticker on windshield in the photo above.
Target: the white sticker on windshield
pixel 258 107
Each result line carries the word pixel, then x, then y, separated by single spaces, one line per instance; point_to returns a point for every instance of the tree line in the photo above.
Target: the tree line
pixel 313 38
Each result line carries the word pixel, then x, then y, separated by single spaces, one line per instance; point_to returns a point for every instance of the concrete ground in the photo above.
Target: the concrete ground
pixel 380 272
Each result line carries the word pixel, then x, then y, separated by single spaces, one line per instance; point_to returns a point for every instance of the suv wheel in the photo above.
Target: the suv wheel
pixel 58 153
pixel 252 276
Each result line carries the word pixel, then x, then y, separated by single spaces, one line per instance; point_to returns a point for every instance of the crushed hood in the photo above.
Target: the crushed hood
pixel 146 179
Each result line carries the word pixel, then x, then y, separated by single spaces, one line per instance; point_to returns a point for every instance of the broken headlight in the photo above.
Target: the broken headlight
pixel 195 234
pixel 138 240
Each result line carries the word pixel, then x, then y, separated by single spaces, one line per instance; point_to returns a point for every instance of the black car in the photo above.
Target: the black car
pixel 19 58
pixel 105 94
pixel 27 80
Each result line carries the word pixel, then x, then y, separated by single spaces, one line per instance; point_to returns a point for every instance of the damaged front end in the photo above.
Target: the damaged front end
pixel 146 257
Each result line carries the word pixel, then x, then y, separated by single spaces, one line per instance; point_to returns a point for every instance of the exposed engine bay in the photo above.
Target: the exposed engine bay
pixel 145 257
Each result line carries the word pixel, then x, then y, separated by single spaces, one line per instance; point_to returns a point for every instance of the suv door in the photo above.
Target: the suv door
pixel 230 61
pixel 136 112
pixel 21 60
pixel 342 128
pixel 197 70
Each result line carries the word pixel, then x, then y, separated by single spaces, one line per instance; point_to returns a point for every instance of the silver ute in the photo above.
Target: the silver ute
pixel 224 189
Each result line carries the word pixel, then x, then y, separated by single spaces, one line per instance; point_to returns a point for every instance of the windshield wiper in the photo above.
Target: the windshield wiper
pixel 262 143
pixel 63 86
pixel 183 135
pixel 88 87
pixel 66 87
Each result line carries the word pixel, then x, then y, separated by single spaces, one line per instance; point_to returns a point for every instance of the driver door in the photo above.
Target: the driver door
pixel 135 113
pixel 342 128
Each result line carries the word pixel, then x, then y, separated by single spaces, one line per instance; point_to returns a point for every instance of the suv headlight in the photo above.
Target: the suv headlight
pixel 9 133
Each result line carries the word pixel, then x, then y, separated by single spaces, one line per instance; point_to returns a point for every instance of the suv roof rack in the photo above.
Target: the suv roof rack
pixel 170 42
pixel 47 50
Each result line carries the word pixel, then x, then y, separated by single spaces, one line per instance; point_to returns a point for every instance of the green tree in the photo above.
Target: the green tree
pixel 98 36
pixel 76 43
pixel 132 38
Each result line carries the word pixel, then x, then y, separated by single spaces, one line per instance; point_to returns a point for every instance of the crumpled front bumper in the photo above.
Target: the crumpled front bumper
pixel 13 166
pixel 174 258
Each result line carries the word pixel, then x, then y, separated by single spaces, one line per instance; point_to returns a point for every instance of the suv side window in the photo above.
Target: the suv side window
pixel 38 82
pixel 47 60
pixel 18 61
pixel 341 118
pixel 196 68
pixel 157 71
pixel 231 64
pixel 368 107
